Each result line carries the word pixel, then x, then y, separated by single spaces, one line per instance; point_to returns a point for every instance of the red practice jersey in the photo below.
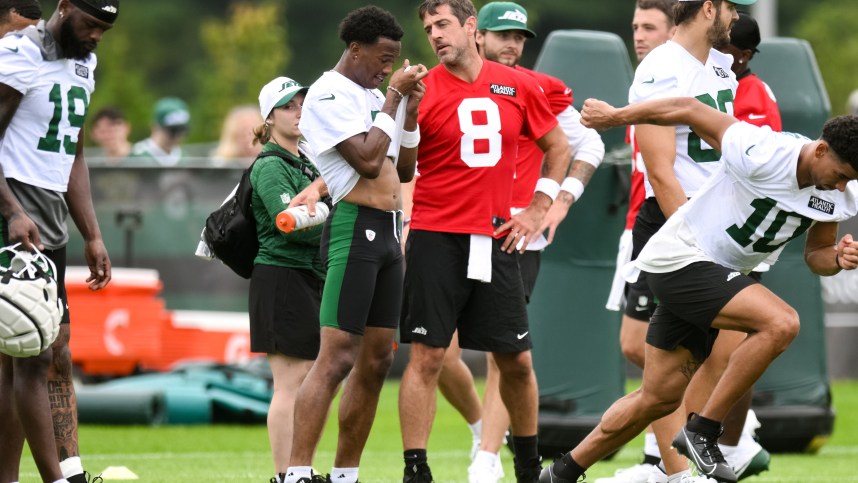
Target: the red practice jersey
pixel 637 192
pixel 469 145
pixel 529 163
pixel 755 103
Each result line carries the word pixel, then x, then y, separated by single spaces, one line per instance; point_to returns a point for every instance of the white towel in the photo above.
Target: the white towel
pixel 537 244
pixel 396 142
pixel 624 255
pixel 480 258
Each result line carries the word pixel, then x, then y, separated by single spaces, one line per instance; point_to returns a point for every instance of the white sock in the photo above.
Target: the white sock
pixel 651 445
pixel 344 475
pixel 485 458
pixel 295 473
pixel 727 450
pixel 678 476
pixel 476 429
pixel 71 466
pixel 60 481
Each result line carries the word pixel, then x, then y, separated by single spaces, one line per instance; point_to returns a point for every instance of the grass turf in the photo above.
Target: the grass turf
pixel 240 453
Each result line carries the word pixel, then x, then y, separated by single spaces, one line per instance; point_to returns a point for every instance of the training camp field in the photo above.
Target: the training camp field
pixel 201 454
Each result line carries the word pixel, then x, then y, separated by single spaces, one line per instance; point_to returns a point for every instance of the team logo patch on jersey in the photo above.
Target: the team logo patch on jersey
pixel 370 235
pixel 720 72
pixel 81 71
pixel 502 90
pixel 821 205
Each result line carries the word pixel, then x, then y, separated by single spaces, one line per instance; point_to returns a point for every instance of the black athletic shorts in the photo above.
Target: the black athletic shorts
pixel 640 302
pixel 439 298
pixel 284 311
pixel 528 263
pixel 361 250
pixel 689 299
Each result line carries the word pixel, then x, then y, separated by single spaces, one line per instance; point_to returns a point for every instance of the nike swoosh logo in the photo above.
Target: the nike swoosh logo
pixel 328 98
pixel 708 469
pixel 650 81
pixel 756 116
pixel 15 50
pixel 522 336
pixel 748 151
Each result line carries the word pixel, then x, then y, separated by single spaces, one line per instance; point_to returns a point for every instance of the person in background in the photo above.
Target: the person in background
pixel 170 124
pixel 285 327
pixel 237 146
pixel 109 130
pixel 18 14
pixel 44 180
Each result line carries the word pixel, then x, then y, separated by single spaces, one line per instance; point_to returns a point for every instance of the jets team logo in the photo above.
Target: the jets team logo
pixel 370 235
pixel 821 205
pixel 81 71
pixel 720 72
pixel 514 15
pixel 502 90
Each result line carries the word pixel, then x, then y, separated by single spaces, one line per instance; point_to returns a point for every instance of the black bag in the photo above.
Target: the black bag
pixel 230 231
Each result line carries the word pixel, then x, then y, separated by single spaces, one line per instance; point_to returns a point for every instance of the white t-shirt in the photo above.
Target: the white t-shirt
pixel 41 141
pixel 748 210
pixel 335 109
pixel 671 71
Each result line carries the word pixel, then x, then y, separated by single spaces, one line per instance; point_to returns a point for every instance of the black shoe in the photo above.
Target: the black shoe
pixel 85 477
pixel 548 476
pixel 315 479
pixel 703 451
pixel 418 474
pixel 529 474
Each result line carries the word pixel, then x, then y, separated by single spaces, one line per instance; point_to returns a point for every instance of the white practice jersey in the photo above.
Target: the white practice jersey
pixel 749 209
pixel 40 143
pixel 336 109
pixel 670 71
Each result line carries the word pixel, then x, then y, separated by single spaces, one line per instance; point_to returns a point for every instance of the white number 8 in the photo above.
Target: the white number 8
pixel 472 132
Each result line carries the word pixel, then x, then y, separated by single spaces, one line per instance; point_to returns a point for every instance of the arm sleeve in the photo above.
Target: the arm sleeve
pixel 586 143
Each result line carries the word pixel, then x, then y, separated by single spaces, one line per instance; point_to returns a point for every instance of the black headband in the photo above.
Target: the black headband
pixel 105 13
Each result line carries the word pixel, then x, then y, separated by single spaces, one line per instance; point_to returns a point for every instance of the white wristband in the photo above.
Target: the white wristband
pixel 573 186
pixel 410 139
pixel 386 123
pixel 549 187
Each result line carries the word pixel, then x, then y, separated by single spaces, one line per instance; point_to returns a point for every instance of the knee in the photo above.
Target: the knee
pixel 335 366
pixel 633 350
pixel 380 365
pixel 516 366
pixel 658 405
pixel 785 329
pixel 426 361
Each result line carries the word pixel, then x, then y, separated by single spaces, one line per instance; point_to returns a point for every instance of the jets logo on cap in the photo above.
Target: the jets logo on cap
pixel 514 15
pixel 109 8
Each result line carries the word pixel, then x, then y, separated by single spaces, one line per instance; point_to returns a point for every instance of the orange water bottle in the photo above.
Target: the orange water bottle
pixel 297 217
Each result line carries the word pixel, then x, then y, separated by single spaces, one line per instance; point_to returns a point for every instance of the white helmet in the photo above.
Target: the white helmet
pixel 30 311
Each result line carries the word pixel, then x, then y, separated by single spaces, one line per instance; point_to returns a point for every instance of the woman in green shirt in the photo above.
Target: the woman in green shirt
pixel 288 276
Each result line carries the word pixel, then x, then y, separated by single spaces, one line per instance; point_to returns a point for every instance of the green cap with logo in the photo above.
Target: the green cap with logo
pixel 497 16
pixel 172 112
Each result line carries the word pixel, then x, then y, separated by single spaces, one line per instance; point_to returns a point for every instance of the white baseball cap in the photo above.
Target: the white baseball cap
pixel 277 93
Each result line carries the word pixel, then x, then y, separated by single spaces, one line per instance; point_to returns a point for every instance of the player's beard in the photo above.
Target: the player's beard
pixel 72 47
pixel 719 34
pixel 495 57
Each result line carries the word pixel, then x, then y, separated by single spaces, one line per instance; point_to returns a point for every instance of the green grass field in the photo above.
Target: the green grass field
pixel 240 453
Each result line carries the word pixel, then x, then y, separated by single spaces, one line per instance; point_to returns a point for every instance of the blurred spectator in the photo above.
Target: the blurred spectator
pixel 236 147
pixel 18 14
pixel 110 130
pixel 171 121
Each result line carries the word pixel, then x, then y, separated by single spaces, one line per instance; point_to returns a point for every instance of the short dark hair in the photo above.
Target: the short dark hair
pixel 665 6
pixel 686 11
pixel 110 113
pixel 30 9
pixel 840 133
pixel 367 24
pixel 462 9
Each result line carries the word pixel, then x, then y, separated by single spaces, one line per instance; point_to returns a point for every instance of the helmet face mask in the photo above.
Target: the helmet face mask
pixel 30 311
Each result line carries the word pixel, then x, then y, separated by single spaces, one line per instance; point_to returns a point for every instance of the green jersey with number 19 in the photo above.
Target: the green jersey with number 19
pixel 671 71
pixel 40 143
pixel 749 209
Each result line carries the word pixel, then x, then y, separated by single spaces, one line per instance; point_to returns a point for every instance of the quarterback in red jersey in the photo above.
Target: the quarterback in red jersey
pixel 460 270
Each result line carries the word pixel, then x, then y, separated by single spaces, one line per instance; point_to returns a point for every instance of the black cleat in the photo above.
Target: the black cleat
pixel 528 475
pixel 548 476
pixel 418 474
pixel 703 451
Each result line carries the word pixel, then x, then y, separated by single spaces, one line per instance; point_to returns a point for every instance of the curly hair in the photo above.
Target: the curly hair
pixel 686 11
pixel 840 133
pixel 367 24
pixel 461 9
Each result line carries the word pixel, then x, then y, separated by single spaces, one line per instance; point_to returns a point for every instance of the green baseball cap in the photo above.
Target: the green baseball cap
pixel 496 16
pixel 172 112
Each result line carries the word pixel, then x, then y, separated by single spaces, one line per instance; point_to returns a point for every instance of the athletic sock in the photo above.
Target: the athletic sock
pixel 295 473
pixel 675 478
pixel 476 429
pixel 651 460
pixel 526 452
pixel 344 475
pixel 567 468
pixel 62 481
pixel 651 448
pixel 699 424
pixel 415 458
pixel 72 469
